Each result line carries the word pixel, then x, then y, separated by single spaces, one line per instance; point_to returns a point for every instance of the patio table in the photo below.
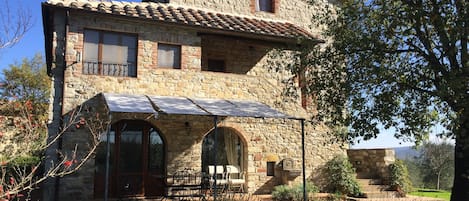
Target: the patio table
pixel 186 185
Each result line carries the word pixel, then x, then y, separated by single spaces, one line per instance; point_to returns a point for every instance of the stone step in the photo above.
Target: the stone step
pixel 363 175
pixel 407 198
pixel 382 194
pixel 373 189
pixel 370 181
pixel 370 188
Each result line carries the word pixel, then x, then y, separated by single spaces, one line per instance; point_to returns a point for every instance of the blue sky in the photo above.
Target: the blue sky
pixel 33 42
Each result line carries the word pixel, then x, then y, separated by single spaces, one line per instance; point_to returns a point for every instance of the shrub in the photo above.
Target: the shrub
pixel 341 177
pixel 295 193
pixel 399 179
pixel 25 161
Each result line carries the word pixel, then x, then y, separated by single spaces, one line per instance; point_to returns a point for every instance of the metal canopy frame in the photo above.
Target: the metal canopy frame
pixel 125 103
pixel 190 106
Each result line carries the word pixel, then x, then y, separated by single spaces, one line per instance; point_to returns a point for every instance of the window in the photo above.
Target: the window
pixel 265 5
pixel 216 65
pixel 109 53
pixel 169 56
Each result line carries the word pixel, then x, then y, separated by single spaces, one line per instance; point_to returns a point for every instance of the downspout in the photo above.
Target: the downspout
pixel 108 158
pixel 66 29
pixel 50 186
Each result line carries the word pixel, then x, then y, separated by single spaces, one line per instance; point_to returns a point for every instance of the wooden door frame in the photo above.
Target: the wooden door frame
pixel 145 172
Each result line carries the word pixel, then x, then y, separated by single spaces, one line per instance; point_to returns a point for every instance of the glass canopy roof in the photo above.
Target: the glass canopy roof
pixel 190 106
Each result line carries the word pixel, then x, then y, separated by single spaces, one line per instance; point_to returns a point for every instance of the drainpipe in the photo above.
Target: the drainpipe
pixel 108 158
pixel 64 63
pixel 51 185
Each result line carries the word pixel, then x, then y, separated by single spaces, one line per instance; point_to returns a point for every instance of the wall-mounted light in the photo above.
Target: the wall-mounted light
pixel 155 115
pixel 188 128
pixel 271 161
pixel 270 168
pixel 78 57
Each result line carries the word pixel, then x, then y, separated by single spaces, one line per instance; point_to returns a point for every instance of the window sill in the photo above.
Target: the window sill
pixel 266 12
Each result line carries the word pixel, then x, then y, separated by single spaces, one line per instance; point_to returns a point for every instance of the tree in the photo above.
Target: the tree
pixel 415 172
pixel 437 160
pixel 25 97
pixel 401 64
pixel 14 23
pixel 27 81
pixel 23 116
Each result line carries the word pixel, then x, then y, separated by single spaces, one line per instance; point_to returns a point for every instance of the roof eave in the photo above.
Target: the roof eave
pixel 285 40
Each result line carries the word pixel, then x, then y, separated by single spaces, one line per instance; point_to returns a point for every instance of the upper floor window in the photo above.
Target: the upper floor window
pixel 109 53
pixel 265 5
pixel 216 65
pixel 169 56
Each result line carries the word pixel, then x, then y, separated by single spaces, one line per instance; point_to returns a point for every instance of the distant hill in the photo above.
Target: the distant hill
pixel 406 152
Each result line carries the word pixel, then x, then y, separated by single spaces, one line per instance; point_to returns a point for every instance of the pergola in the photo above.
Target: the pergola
pixel 216 108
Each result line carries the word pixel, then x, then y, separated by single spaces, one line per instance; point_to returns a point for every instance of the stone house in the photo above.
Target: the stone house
pixel 175 77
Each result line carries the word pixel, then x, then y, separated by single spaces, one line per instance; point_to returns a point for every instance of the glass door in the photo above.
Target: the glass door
pixel 137 161
pixel 130 160
pixel 155 180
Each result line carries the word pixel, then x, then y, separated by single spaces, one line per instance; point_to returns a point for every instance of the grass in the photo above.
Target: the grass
pixel 432 193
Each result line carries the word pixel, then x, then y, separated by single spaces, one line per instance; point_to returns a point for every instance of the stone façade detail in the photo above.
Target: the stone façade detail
pixel 372 163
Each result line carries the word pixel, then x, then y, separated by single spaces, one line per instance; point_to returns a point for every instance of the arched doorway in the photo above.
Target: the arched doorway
pixel 229 149
pixel 137 160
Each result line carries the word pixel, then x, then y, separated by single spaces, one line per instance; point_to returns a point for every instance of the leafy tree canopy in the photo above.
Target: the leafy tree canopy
pixel 401 64
pixel 24 94
pixel 27 83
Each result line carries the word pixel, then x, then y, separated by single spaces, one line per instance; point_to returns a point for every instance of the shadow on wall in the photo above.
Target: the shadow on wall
pixel 267 187
pixel 239 58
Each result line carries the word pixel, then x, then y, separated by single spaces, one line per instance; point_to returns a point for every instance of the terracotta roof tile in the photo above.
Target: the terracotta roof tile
pixel 188 16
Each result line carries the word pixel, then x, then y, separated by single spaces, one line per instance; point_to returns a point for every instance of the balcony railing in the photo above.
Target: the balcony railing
pixel 109 69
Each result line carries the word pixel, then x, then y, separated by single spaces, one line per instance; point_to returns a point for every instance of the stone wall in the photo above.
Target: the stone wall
pixel 250 79
pixel 255 82
pixel 371 163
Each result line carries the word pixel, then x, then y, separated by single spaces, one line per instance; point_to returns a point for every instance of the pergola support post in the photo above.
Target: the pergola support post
pixel 305 196
pixel 215 122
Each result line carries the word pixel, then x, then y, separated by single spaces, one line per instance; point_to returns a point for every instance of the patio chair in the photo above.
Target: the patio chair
pixel 221 178
pixel 235 177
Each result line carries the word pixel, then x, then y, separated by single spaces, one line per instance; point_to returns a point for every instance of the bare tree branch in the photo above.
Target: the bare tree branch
pixel 17 179
pixel 14 23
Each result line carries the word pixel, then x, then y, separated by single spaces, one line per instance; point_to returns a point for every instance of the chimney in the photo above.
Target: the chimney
pixel 156 1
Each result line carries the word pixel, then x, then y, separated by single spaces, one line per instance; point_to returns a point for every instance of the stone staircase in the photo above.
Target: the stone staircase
pixel 407 198
pixel 375 190
pixel 370 164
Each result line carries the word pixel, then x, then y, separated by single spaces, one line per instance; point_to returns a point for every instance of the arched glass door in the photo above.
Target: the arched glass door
pixel 228 147
pixel 137 161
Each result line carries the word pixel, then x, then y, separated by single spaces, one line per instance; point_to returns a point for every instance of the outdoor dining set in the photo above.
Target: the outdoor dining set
pixel 189 184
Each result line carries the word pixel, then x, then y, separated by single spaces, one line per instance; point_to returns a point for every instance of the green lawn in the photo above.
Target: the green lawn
pixel 432 193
